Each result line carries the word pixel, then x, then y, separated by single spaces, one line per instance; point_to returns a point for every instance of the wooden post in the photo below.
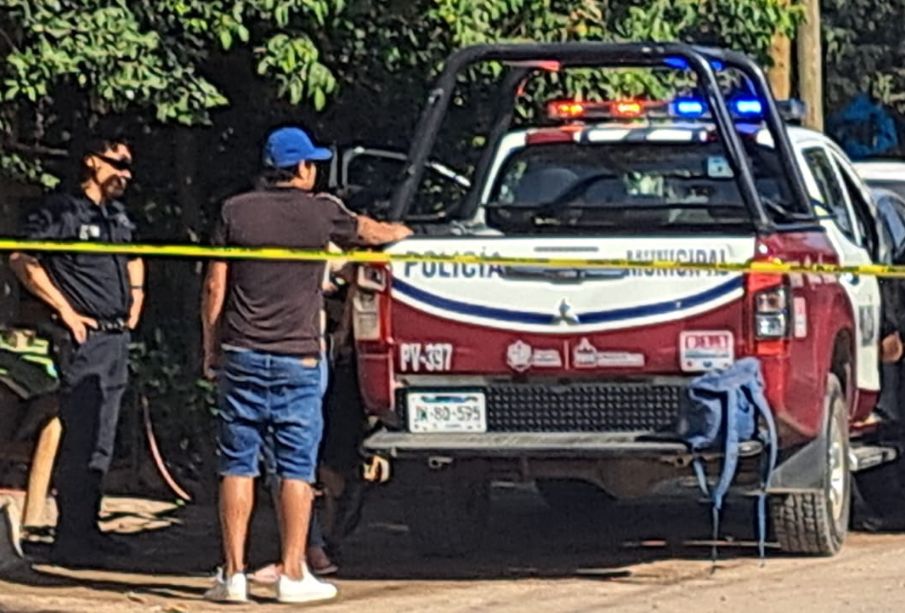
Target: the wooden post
pixel 40 472
pixel 810 65
pixel 780 72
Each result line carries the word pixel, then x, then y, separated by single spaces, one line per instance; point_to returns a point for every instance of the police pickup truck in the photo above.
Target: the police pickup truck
pixel 481 372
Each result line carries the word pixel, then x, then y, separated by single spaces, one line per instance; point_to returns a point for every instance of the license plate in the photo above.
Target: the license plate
pixel 702 351
pixel 446 412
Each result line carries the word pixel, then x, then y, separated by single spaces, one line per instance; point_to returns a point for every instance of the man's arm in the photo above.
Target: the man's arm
pixel 33 276
pixel 212 299
pixel 136 270
pixel 372 232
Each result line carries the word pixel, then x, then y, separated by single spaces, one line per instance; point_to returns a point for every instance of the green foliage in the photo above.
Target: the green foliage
pixel 864 51
pixel 116 56
pixel 405 38
pixel 26 169
pixel 180 403
pixel 113 56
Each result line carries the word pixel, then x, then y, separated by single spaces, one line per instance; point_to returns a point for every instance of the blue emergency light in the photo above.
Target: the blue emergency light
pixel 747 107
pixel 694 108
pixel 742 108
pixel 689 108
pixel 680 63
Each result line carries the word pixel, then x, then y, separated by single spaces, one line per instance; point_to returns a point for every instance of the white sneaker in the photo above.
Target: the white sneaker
pixel 232 589
pixel 307 589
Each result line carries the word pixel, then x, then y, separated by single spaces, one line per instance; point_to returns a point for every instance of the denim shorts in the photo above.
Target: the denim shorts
pixel 265 396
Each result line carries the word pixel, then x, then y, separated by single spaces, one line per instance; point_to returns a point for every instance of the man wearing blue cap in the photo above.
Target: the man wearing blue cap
pixel 262 329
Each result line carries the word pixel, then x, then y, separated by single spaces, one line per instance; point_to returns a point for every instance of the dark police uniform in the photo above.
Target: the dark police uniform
pixel 93 375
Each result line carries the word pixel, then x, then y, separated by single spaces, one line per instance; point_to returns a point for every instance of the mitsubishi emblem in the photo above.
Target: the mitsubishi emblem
pixel 566 315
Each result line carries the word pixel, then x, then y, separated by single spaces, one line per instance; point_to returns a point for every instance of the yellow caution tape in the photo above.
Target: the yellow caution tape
pixel 380 257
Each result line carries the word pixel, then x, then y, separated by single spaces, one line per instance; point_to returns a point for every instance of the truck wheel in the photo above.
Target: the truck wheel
pixel 816 523
pixel 447 511
pixel 572 496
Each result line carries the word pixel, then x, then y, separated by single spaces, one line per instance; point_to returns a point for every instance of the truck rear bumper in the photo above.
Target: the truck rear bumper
pixel 538 445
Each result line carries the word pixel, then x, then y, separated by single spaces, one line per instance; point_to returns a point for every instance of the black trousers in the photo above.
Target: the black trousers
pixel 93 379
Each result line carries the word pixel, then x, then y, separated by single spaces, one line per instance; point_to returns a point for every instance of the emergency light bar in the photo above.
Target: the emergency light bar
pixel 742 108
pixel 618 109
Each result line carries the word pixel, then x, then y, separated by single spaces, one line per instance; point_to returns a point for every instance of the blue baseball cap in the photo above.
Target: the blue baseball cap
pixel 286 147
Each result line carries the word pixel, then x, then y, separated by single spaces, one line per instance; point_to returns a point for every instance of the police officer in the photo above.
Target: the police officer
pixel 96 300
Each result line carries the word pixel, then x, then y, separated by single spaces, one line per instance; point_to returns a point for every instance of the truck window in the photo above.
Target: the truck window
pixel 369 176
pixel 864 211
pixel 654 184
pixel 827 182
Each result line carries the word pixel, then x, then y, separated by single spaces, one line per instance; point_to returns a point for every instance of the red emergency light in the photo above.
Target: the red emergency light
pixel 627 108
pixel 566 109
pixel 618 109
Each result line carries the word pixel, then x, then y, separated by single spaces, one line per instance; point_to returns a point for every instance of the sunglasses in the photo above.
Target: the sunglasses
pixel 117 163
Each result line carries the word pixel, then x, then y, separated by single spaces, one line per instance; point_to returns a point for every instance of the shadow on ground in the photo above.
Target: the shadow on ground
pixel 173 546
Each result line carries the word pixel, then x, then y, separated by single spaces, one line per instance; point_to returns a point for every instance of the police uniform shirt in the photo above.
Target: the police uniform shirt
pixel 94 285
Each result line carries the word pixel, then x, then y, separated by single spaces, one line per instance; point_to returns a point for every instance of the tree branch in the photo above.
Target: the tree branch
pixel 36 149
pixel 9 40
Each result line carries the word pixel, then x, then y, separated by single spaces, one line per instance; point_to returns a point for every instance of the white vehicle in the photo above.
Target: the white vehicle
pixel 885 174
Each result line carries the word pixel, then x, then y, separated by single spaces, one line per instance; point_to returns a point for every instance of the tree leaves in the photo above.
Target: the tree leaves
pixel 864 51
pixel 152 55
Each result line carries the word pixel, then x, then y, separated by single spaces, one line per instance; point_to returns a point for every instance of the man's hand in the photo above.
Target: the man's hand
pixel 891 348
pixel 212 297
pixel 209 367
pixel 78 324
pixel 328 287
pixel 400 231
pixel 133 321
pixel 371 232
pixel 138 297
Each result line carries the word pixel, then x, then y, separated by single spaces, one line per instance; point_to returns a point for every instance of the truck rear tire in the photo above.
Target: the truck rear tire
pixel 817 523
pixel 447 511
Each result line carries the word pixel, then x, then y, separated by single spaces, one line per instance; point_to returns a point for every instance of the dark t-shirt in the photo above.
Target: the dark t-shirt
pixel 274 306
pixel 95 285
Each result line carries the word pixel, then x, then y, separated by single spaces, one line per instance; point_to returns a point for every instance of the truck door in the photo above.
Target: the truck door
pixel 853 243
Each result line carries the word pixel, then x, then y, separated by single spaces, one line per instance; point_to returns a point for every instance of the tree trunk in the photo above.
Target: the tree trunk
pixel 810 65
pixel 780 72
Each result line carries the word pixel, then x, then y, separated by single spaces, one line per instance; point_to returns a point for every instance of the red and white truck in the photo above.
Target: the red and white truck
pixel 561 375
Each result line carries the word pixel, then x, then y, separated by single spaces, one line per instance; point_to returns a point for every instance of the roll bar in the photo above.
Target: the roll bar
pixel 614 55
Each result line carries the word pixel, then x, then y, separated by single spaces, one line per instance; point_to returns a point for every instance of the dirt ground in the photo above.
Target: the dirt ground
pixel 632 557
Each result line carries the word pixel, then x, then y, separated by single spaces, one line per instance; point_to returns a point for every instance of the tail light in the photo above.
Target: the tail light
pixel 770 308
pixel 369 312
pixel 373 339
pixel 772 313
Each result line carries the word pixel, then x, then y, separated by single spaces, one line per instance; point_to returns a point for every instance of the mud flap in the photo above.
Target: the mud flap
pixel 802 470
